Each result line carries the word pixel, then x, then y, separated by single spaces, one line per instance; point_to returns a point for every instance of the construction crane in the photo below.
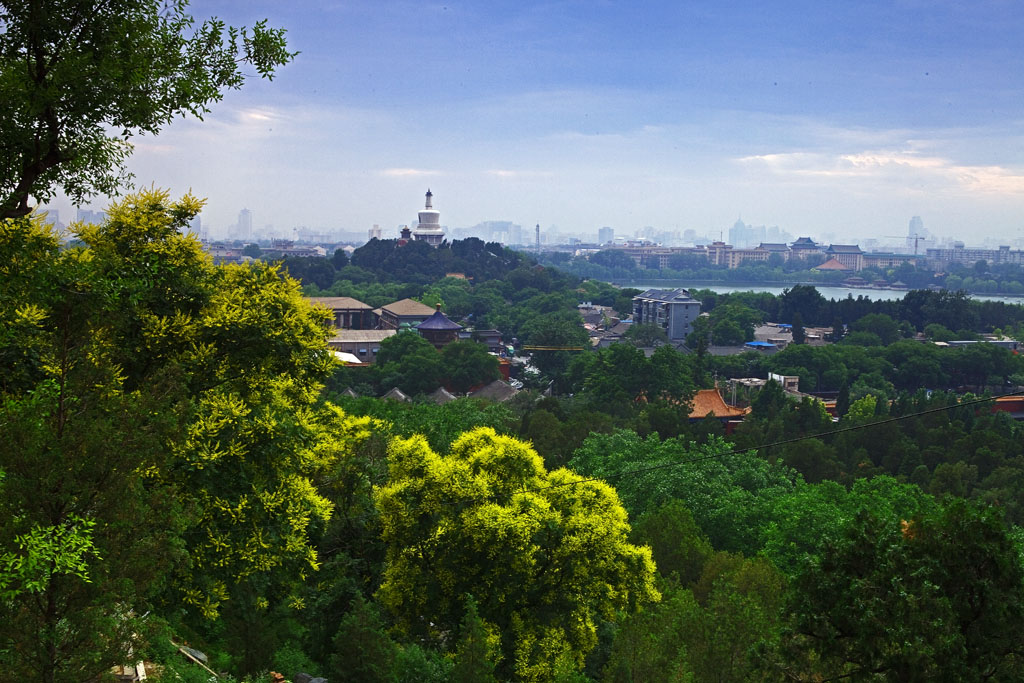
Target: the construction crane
pixel 917 238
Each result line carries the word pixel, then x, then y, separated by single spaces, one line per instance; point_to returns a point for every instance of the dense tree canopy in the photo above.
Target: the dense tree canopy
pixel 920 598
pixel 162 426
pixel 545 554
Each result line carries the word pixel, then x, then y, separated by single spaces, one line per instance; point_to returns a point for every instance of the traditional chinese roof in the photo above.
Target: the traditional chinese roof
pixel 441 396
pixel 438 321
pixel 338 302
pixel 407 307
pixel 497 390
pixel 773 246
pixel 831 264
pixel 396 394
pixel 804 243
pixel 709 401
pixel 357 336
pixel 843 249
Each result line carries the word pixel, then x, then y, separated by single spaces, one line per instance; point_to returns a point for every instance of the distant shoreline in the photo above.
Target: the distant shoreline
pixel 743 286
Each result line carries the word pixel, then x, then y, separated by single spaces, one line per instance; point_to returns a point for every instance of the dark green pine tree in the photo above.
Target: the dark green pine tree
pixel 837 329
pixel 473 661
pixel 843 400
pixel 798 329
pixel 363 651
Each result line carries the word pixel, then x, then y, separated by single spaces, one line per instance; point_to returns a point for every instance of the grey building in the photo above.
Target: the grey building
pixel 673 310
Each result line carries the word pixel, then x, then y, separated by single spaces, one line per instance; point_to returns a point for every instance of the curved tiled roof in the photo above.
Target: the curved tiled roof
pixel 438 321
pixel 710 401
pixel 408 307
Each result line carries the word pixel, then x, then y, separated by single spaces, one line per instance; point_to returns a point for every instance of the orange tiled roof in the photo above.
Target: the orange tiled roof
pixel 710 401
pixel 831 264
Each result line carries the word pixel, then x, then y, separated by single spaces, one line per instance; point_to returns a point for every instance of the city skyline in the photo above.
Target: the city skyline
pixel 842 120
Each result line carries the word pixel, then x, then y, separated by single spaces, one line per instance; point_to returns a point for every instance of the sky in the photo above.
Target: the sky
pixel 827 119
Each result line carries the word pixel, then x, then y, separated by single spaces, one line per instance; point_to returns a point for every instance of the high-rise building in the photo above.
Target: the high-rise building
pixel 743 236
pixel 515 234
pixel 916 228
pixel 89 216
pixel 605 235
pixel 375 232
pixel 244 228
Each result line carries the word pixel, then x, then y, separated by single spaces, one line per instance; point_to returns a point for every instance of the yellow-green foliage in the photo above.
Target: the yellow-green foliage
pixel 233 353
pixel 544 554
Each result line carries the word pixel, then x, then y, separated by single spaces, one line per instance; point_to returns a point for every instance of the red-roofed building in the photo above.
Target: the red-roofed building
pixel 708 402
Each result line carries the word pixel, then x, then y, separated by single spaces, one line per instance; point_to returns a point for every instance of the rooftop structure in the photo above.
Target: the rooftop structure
pixel 429 229
pixel 404 311
pixel 347 313
pixel 363 344
pixel 438 329
pixel 709 403
pixel 673 310
pixel 849 255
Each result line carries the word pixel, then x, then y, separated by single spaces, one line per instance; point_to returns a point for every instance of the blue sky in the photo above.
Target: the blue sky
pixel 826 119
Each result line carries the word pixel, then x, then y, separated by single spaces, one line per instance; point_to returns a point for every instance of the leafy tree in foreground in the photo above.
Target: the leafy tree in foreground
pixel 164 413
pixel 78 79
pixel 544 553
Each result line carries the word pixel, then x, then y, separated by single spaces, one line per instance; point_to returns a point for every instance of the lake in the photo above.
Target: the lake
pixel 827 292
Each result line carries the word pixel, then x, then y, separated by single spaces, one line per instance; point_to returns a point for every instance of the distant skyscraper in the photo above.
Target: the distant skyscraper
pixel 88 216
pixel 916 228
pixel 244 231
pixel 538 238
pixel 375 232
pixel 605 235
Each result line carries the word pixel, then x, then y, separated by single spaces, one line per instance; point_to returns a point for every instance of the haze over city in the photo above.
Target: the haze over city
pixel 820 118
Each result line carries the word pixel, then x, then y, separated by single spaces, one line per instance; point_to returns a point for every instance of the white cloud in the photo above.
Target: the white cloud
pixel 886 165
pixel 408 173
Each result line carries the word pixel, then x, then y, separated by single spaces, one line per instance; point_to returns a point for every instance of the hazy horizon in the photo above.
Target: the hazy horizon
pixel 818 118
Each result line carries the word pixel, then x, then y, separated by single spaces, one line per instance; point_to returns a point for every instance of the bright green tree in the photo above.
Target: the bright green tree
pixel 544 553
pixel 78 80
pixel 167 410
